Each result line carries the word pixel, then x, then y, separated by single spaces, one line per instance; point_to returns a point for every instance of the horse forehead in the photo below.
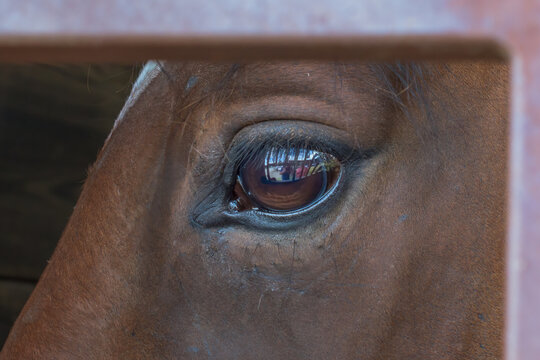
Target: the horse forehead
pixel 265 78
pixel 283 89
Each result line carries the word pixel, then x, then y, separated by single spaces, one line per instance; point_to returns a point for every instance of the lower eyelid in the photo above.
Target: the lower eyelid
pixel 266 220
pixel 210 214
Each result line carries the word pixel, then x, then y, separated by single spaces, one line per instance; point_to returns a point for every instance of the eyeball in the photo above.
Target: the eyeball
pixel 285 180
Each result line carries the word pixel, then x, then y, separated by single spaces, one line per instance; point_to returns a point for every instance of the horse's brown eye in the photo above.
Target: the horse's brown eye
pixel 284 180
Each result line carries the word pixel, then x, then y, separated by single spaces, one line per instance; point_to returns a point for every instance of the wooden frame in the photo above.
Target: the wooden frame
pixel 107 30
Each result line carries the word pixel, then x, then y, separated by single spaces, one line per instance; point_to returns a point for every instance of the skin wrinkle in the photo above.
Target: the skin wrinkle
pixel 352 281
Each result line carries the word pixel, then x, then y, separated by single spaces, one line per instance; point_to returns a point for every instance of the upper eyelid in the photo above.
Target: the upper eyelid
pixel 255 139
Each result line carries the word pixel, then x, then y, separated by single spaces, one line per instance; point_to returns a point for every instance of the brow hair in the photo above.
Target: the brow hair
pixel 403 81
pixel 407 86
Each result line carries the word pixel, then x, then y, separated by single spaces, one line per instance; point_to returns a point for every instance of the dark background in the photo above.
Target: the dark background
pixel 53 121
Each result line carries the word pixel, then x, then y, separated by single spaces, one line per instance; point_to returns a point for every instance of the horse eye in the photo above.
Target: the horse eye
pixel 283 180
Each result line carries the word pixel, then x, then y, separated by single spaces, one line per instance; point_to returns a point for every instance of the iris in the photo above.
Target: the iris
pixel 285 179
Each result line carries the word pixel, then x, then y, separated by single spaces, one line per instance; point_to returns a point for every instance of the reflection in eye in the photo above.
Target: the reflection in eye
pixel 284 180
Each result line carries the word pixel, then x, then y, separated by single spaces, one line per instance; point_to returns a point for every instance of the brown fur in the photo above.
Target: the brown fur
pixel 407 265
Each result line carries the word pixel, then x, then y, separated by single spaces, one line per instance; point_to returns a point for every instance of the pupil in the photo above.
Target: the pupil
pixel 288 179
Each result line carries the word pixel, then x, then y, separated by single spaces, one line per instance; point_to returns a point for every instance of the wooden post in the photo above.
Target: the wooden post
pixel 107 30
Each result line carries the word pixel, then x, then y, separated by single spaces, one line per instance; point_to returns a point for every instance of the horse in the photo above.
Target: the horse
pixel 287 210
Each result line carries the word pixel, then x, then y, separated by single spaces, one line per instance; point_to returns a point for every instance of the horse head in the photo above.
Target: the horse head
pixel 287 210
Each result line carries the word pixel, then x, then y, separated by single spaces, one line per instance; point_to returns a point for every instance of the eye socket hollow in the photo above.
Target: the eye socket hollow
pixel 285 179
